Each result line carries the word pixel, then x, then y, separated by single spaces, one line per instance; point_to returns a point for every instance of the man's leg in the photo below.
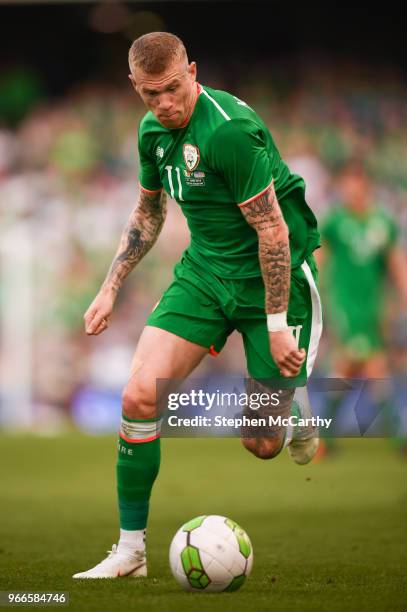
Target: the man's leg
pixel 159 355
pixel 305 319
pixel 268 442
pixel 381 388
pixel 348 366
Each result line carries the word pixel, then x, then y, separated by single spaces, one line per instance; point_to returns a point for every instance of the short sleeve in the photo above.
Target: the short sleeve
pixel 149 175
pixel 238 152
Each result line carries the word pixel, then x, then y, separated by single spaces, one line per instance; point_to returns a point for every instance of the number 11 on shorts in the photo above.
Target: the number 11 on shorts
pixel 296 329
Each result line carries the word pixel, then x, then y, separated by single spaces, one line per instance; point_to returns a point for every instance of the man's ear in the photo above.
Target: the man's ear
pixel 192 71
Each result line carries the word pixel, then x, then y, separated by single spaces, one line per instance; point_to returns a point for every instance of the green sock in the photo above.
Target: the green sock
pixel 137 468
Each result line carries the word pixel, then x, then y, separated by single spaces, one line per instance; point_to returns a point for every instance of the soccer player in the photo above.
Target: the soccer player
pixel 249 267
pixel 361 253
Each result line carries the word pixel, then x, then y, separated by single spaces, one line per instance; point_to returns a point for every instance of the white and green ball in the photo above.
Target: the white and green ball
pixel 211 553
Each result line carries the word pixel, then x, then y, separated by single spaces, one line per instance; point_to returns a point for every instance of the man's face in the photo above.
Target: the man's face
pixel 355 191
pixel 169 95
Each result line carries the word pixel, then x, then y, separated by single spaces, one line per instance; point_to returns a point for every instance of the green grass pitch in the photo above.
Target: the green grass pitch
pixel 330 536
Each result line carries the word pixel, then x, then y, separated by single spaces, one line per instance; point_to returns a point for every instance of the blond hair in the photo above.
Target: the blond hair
pixel 154 52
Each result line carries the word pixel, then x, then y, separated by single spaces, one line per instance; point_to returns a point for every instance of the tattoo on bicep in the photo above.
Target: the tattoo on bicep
pixel 263 212
pixel 139 235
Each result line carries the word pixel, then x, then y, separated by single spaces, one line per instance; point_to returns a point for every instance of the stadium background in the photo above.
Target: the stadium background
pixel 68 166
pixel 331 84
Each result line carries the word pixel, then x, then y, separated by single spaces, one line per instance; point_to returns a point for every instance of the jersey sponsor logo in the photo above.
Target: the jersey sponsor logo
pixel 159 152
pixel 191 156
pixel 241 103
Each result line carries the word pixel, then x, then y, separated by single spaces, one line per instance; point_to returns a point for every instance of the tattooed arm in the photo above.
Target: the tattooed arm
pixel 139 235
pixel 264 214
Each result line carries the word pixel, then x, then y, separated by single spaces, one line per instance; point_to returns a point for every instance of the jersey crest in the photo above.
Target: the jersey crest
pixel 191 156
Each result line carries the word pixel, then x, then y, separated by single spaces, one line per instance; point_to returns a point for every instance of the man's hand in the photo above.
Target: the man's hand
pixel 97 316
pixel 287 356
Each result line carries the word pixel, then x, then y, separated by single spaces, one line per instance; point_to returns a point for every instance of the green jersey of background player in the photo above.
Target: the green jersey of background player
pixel 361 257
pixel 361 254
pixel 249 267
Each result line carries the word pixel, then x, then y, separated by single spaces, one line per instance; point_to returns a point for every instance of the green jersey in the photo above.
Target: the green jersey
pixel 358 247
pixel 356 274
pixel 222 158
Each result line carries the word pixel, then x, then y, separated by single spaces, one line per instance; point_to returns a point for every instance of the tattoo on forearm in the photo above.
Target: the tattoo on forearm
pixel 265 216
pixel 139 235
pixel 275 267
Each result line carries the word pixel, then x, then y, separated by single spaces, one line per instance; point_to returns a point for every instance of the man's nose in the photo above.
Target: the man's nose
pixel 165 103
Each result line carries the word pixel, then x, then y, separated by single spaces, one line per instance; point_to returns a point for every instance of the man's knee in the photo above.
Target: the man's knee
pixel 139 401
pixel 264 448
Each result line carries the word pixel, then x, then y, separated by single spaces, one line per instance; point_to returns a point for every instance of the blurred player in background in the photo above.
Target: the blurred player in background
pixel 249 267
pixel 361 255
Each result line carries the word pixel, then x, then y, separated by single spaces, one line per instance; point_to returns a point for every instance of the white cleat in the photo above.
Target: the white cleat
pixel 305 441
pixel 303 451
pixel 118 565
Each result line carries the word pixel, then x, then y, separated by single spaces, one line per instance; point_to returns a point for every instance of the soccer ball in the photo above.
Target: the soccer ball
pixel 211 553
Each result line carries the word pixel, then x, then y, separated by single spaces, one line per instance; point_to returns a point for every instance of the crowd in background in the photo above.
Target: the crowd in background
pixel 68 181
